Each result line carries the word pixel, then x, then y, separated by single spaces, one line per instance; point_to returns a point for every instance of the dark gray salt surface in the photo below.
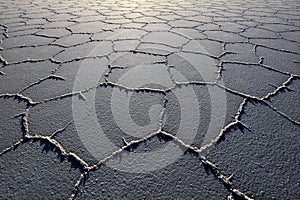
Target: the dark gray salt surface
pixel 149 57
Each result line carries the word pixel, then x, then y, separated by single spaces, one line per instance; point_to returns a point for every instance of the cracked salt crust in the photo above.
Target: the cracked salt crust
pixel 232 27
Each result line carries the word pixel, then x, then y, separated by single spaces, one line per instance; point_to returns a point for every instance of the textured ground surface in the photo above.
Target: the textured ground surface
pixel 255 50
